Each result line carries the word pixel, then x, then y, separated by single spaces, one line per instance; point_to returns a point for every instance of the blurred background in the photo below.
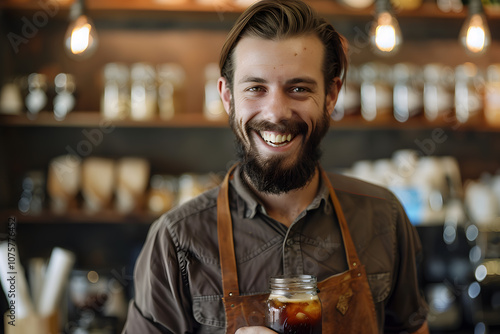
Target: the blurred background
pixel 109 116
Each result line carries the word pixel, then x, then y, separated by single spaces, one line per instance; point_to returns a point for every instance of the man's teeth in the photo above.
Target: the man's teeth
pixel 273 139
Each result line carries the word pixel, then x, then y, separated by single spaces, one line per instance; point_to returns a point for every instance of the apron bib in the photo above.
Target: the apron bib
pixel 346 297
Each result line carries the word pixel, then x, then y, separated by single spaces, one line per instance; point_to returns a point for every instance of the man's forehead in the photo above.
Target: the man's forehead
pixel 303 52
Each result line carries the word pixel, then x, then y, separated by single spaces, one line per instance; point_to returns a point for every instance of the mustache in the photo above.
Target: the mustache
pixel 293 127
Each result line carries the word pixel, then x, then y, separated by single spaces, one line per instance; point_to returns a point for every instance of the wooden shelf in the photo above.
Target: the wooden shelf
pixel 197 120
pixel 325 7
pixel 419 122
pixel 95 119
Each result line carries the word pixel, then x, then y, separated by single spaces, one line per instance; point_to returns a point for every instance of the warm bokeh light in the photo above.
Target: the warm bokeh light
pixel 385 34
pixel 80 38
pixel 385 38
pixel 475 34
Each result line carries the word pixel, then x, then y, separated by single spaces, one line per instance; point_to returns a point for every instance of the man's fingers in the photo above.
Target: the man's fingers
pixel 255 330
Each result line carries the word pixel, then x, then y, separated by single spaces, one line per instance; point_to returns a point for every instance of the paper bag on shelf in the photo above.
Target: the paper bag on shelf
pixel 98 179
pixel 63 182
pixel 132 177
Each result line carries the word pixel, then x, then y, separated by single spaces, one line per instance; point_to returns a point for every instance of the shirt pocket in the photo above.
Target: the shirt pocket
pixel 209 311
pixel 380 286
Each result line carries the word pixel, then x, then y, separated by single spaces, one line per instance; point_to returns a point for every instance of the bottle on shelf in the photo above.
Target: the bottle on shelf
pixel 408 91
pixel 439 88
pixel 349 99
pixel 213 108
pixel 143 92
pixel 376 91
pixel 469 87
pixel 171 78
pixel 36 99
pixel 115 101
pixel 64 101
pixel 492 95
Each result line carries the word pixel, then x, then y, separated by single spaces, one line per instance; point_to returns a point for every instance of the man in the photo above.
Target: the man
pixel 205 265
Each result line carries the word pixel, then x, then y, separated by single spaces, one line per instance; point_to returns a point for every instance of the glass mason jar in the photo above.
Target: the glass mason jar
pixel 408 91
pixel 171 78
pixel 37 96
pixel 439 90
pixel 143 95
pixel 468 93
pixel 115 101
pixel 293 305
pixel 213 108
pixel 492 95
pixel 376 91
pixel 64 101
pixel 349 98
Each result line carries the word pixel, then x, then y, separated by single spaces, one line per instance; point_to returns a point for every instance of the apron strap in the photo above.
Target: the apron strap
pixel 226 245
pixel 350 249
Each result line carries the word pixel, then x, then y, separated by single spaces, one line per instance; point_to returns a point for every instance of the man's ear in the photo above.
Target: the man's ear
pixel 225 93
pixel 332 94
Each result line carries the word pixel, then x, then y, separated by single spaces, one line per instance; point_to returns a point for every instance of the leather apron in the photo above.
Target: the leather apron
pixel 347 303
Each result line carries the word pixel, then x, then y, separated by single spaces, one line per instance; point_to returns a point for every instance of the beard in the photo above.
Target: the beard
pixel 274 175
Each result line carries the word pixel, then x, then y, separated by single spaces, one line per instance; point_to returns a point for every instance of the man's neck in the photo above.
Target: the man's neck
pixel 286 207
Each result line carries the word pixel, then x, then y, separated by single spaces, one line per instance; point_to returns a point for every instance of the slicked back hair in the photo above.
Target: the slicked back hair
pixel 281 19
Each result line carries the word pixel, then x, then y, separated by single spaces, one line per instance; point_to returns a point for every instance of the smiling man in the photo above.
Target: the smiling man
pixel 280 109
pixel 205 266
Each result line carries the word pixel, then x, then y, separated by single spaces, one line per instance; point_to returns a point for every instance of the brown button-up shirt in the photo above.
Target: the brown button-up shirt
pixel 177 276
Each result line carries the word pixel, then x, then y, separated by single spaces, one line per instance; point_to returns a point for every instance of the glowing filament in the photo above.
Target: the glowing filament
pixel 80 38
pixel 475 39
pixel 385 38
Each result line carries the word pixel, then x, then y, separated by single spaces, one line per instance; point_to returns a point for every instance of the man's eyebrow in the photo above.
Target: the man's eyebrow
pixel 247 79
pixel 306 80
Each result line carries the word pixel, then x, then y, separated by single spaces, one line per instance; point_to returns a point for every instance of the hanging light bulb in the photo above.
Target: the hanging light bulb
pixel 475 34
pixel 81 40
pixel 385 34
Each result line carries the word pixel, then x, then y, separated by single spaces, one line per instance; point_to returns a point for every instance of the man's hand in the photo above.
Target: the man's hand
pixel 255 330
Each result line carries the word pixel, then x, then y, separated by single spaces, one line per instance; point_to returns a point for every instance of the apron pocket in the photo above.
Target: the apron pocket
pixel 380 285
pixel 209 311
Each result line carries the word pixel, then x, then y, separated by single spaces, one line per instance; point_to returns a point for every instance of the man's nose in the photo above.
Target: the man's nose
pixel 277 107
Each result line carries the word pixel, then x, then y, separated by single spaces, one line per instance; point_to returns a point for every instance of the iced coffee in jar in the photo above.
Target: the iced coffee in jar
pixel 294 305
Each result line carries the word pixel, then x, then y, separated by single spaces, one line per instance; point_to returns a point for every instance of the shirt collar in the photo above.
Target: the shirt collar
pixel 249 203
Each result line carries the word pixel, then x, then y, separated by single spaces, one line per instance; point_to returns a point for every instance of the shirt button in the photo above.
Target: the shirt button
pixel 289 242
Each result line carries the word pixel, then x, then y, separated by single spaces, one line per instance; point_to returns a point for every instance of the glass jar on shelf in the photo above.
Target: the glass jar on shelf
pixel 11 101
pixel 171 78
pixel 408 91
pixel 349 99
pixel 213 108
pixel 36 99
pixel 439 83
pixel 376 91
pixel 143 94
pixel 492 95
pixel 162 193
pixel 115 101
pixel 469 87
pixel 64 101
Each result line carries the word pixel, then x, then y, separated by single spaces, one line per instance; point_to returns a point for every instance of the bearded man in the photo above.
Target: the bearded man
pixel 206 265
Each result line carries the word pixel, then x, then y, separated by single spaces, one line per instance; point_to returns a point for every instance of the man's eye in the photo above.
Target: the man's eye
pixel 255 89
pixel 298 90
